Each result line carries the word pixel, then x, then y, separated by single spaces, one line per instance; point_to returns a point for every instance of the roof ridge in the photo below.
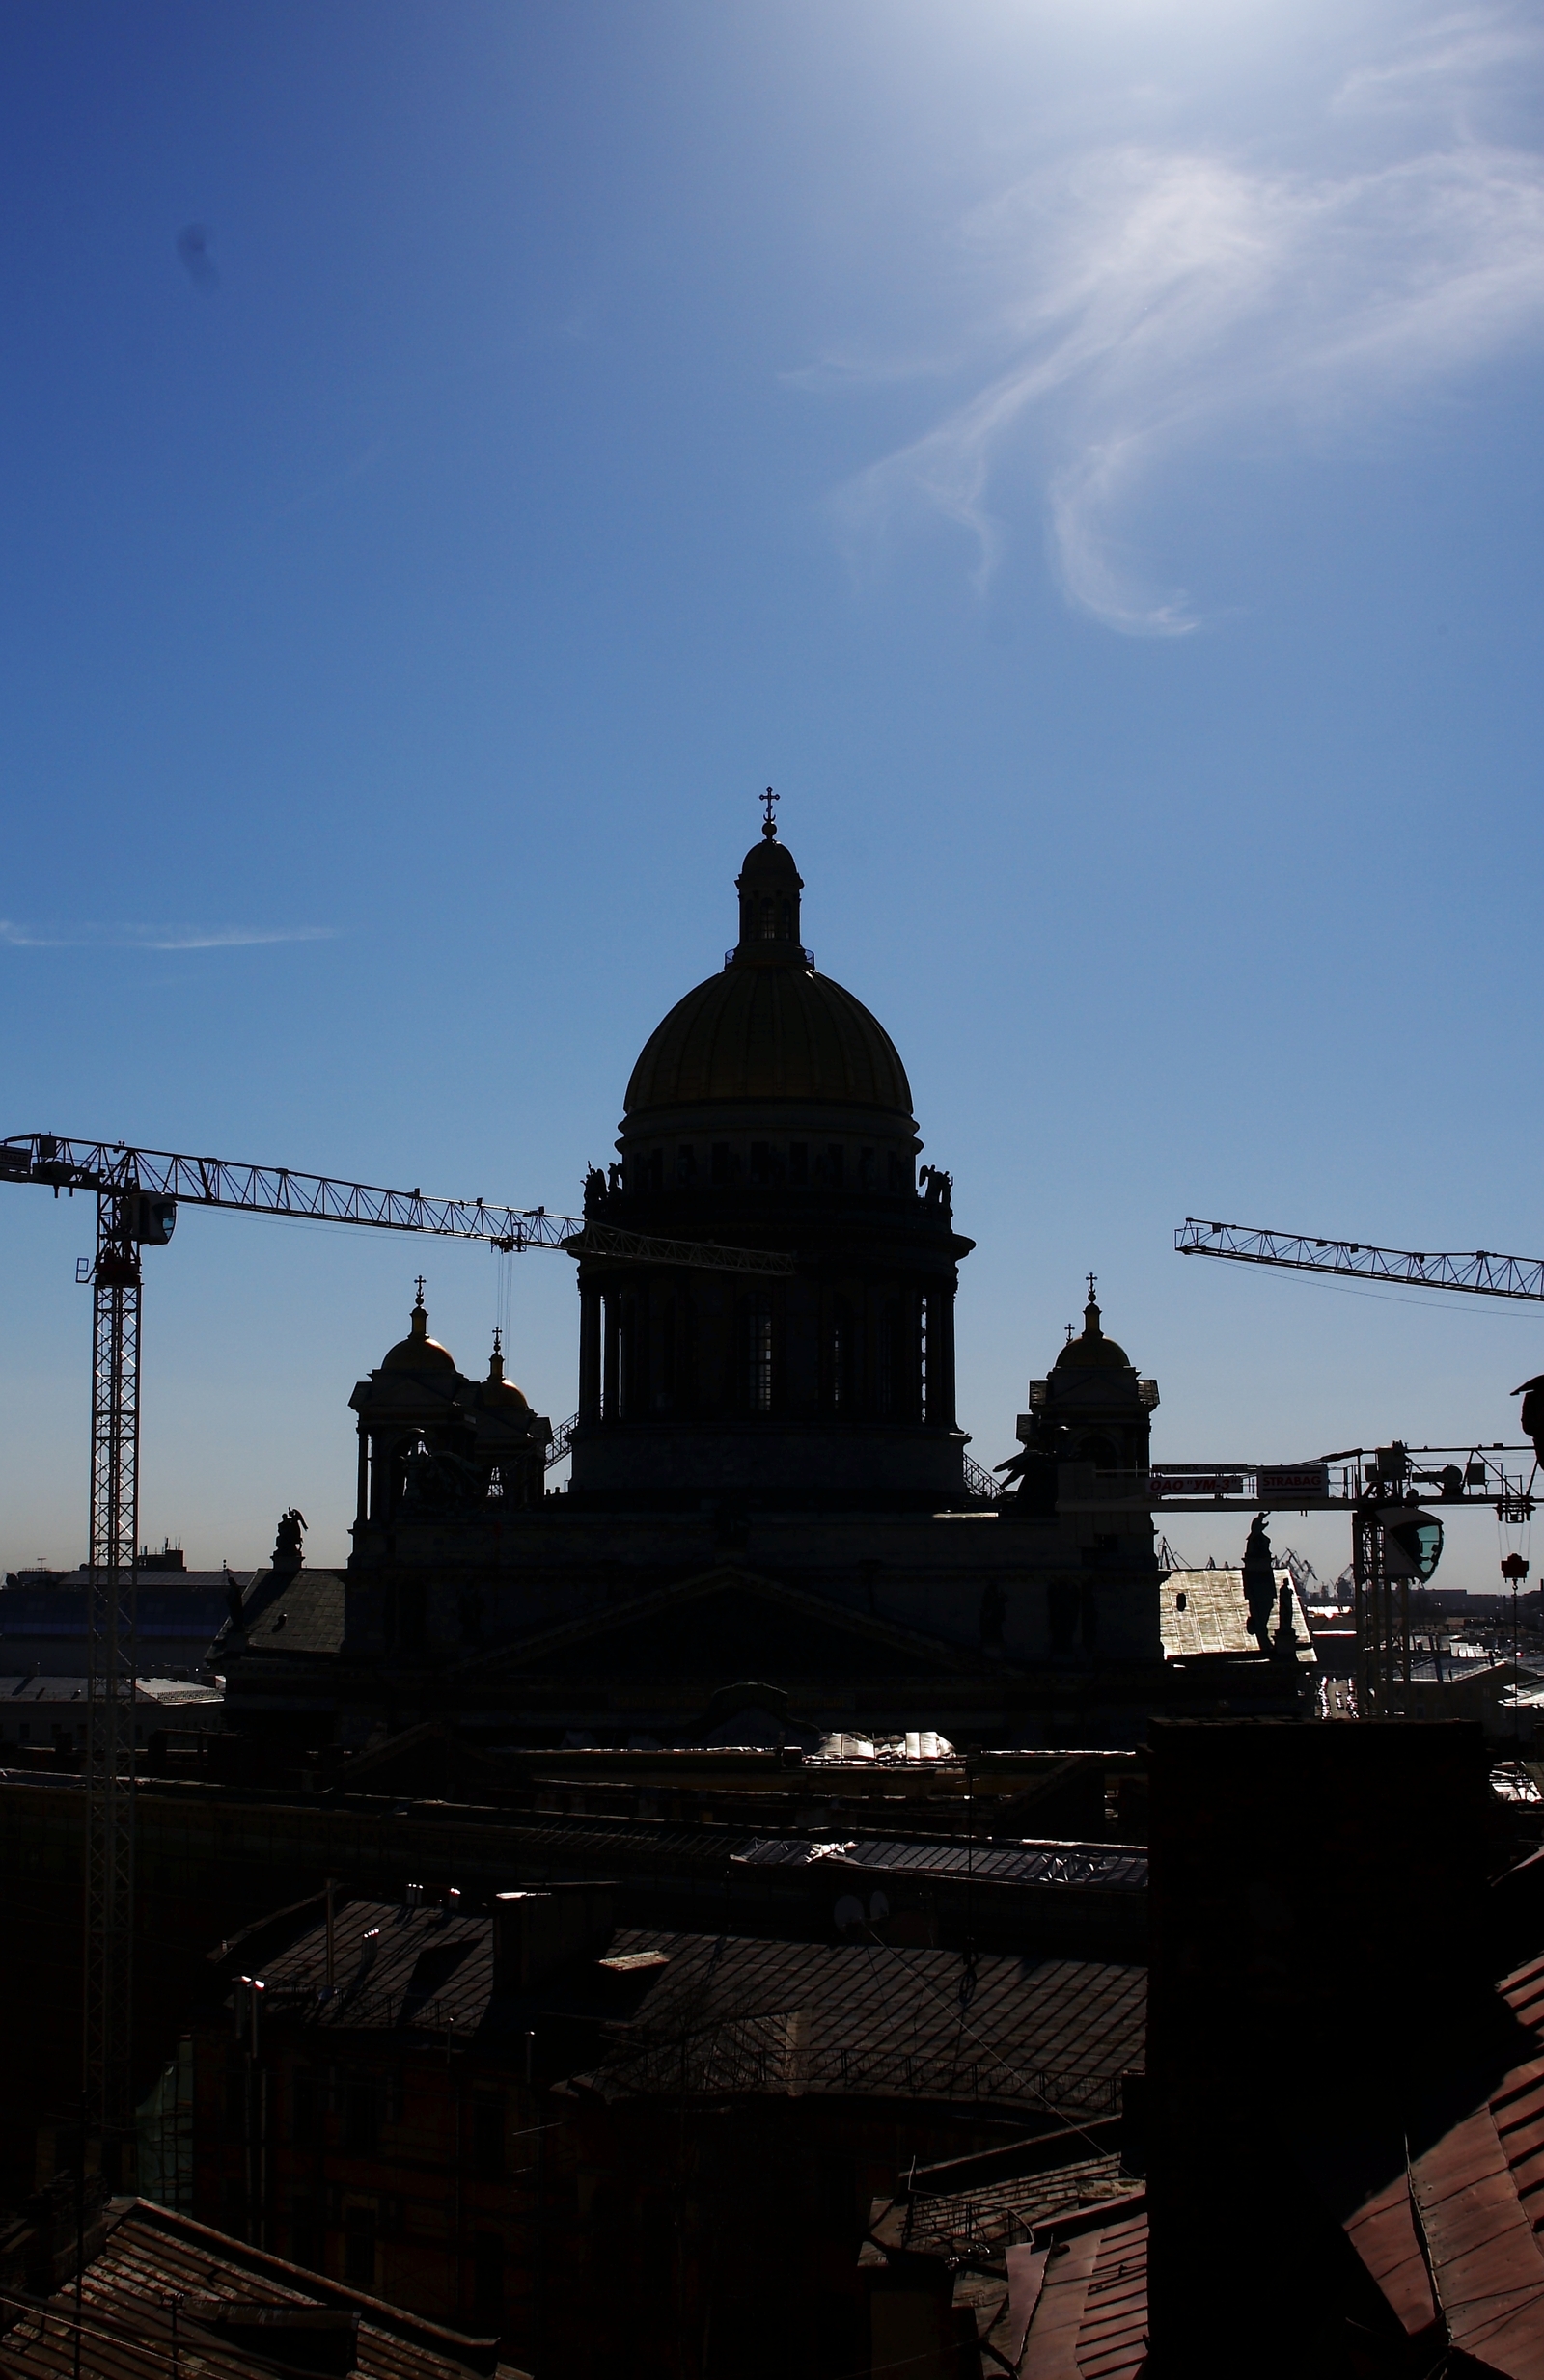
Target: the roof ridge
pixel 381 2315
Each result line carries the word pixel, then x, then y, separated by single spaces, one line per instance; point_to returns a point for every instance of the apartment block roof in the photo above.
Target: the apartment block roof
pixel 713 2014
pixel 238 2311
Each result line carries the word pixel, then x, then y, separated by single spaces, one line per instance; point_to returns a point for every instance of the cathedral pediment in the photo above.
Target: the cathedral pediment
pixel 725 1622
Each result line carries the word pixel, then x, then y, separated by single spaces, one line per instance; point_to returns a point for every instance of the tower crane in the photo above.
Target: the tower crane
pixel 138 1192
pixel 1479 1273
pixel 1483 1273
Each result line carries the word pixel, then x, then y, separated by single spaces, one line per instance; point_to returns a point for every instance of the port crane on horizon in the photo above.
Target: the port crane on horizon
pixel 138 1192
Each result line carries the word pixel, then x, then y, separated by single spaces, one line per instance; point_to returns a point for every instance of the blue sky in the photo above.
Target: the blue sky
pixel 1084 455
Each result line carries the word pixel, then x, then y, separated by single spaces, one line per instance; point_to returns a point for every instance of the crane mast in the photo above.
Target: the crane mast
pixel 138 1192
pixel 107 2000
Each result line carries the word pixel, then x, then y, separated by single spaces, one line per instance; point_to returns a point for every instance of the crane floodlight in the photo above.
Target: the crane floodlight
pixel 152 1222
pixel 1412 1542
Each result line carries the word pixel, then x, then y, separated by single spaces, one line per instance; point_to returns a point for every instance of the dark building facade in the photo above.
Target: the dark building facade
pixel 528 2120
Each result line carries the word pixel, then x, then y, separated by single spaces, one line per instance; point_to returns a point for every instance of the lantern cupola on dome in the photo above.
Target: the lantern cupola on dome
pixel 769 885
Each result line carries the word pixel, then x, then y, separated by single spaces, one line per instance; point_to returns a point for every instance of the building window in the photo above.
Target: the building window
pixel 799 1163
pixel 665 1396
pixel 866 1168
pixel 844 1351
pixel 655 1170
pixel 685 1164
pixel 834 1164
pixel 308 2105
pixel 487 2279
pixel 760 1160
pixel 305 2235
pixel 721 1163
pixel 758 1323
pixel 683 1384
pixel 896 1175
pixel 632 1358
pixel 406 1615
pixel 894 1402
pixel 361 2108
pixel 487 2138
pixel 1062 1613
pixel 359 2248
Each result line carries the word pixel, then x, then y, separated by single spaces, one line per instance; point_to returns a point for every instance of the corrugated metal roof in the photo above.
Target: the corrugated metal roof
pixel 392 1967
pixel 72 1689
pixel 1483 2249
pixel 1207 1611
pixel 713 2013
pixel 998 2212
pixel 1090 2314
pixel 1464 2218
pixel 306 1616
pixel 1383 2233
pixel 1117 1866
pixel 152 2254
pixel 729 2015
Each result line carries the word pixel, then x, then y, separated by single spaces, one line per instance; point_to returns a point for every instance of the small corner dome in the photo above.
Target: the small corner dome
pixel 1093 1349
pixel 418 1351
pixel 501 1394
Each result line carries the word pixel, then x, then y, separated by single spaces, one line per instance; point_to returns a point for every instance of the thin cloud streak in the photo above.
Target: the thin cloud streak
pixel 20 936
pixel 1151 298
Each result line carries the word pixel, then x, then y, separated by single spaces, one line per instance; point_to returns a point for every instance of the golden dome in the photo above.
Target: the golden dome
pixel 501 1394
pixel 769 1027
pixel 418 1351
pixel 1093 1347
pixel 772 1031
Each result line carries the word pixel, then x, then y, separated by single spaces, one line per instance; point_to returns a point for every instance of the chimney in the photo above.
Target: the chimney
pixel 535 1933
pixel 1317 1892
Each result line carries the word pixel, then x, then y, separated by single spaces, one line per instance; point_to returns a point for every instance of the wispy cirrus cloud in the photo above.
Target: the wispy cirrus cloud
pixel 1148 298
pixel 87 936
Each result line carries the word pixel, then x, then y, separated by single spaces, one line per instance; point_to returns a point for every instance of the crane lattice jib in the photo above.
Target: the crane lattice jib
pixel 1480 1273
pixel 108 1168
pixel 647 1249
pixel 273 1190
